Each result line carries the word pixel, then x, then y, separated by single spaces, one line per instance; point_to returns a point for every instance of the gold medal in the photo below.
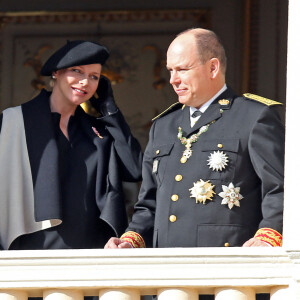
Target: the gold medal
pixel 202 191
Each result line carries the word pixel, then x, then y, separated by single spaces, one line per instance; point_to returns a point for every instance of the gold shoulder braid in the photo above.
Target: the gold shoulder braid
pixel 166 110
pixel 260 99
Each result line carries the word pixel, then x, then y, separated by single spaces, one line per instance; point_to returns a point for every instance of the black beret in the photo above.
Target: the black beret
pixel 75 53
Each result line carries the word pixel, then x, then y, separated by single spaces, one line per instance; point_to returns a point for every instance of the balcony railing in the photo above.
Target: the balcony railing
pixel 170 273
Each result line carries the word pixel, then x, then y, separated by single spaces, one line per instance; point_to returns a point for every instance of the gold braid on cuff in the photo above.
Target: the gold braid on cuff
pixel 134 239
pixel 270 236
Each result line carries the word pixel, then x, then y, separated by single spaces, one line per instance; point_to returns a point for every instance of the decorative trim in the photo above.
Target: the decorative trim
pixel 134 239
pixel 198 15
pixel 166 110
pixel 270 236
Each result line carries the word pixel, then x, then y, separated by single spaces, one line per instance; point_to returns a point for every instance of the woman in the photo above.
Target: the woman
pixel 61 169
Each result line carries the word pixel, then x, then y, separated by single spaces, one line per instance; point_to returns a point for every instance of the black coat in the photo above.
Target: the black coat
pixel 119 159
pixel 252 137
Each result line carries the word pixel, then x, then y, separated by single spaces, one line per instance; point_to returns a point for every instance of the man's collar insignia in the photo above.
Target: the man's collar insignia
pixel 223 102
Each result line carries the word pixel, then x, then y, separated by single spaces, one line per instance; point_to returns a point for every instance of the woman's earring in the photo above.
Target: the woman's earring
pixel 52 81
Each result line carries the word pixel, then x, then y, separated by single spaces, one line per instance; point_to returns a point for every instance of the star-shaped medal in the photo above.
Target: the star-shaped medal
pixel 217 161
pixel 202 191
pixel 231 195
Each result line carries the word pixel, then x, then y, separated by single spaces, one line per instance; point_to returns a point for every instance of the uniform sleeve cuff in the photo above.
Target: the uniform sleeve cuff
pixel 269 236
pixel 134 239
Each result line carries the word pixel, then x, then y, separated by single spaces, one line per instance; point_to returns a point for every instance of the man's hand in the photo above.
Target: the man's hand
pixel 115 243
pixel 254 242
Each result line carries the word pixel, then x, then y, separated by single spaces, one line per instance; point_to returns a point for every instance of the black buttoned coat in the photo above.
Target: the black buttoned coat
pixel 251 136
pixel 119 159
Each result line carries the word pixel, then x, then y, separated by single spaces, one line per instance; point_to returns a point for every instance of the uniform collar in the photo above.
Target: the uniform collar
pixel 212 112
pixel 205 106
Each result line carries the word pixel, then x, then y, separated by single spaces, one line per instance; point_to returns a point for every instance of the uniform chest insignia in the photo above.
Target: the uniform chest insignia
pixel 202 191
pixel 217 161
pixel 231 195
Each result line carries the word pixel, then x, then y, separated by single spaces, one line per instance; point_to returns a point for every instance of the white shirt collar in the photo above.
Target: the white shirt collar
pixel 205 106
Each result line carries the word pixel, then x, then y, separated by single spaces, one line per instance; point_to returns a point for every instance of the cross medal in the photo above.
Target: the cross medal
pixel 187 153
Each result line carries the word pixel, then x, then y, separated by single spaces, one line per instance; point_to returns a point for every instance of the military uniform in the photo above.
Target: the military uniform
pixel 230 186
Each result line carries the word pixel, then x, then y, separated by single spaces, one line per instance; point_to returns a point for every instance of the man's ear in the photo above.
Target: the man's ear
pixel 214 67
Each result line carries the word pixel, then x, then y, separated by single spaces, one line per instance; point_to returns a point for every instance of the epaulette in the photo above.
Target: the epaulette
pixel 173 107
pixel 260 99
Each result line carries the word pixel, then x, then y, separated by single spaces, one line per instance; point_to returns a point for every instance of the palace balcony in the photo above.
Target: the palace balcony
pixel 169 273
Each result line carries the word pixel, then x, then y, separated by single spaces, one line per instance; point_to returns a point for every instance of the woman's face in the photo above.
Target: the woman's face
pixel 76 85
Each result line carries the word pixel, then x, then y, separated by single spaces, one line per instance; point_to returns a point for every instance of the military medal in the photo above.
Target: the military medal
pixel 202 191
pixel 217 161
pixel 187 153
pixel 231 195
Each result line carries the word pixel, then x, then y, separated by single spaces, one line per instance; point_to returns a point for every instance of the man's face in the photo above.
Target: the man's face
pixel 190 79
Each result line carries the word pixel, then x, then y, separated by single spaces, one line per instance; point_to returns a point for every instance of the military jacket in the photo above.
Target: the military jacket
pixel 250 137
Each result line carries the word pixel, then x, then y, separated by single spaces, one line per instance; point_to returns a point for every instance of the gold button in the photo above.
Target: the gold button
pixel 172 218
pixel 174 197
pixel 183 160
pixel 157 152
pixel 226 244
pixel 220 145
pixel 178 177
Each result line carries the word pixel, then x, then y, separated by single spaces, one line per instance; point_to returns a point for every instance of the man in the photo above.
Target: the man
pixel 214 179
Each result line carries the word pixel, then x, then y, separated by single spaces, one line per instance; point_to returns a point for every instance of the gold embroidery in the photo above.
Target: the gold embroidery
pixel 263 100
pixel 166 111
pixel 134 239
pixel 270 236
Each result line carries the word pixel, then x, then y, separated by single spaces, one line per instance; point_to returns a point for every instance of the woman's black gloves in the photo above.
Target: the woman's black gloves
pixel 105 103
